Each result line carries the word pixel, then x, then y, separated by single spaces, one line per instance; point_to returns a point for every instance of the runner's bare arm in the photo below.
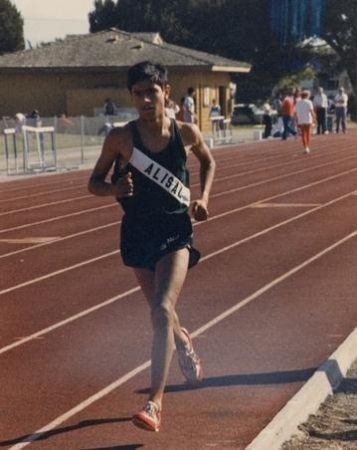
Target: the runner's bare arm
pixel 193 138
pixel 116 145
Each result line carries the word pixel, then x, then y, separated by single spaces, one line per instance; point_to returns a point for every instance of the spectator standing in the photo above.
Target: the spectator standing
pixel 341 101
pixel 215 109
pixel 171 108
pixel 215 113
pixel 180 114
pixel 305 117
pixel 109 108
pixel 189 115
pixel 64 123
pixel 287 114
pixel 20 120
pixel 320 103
pixel 267 118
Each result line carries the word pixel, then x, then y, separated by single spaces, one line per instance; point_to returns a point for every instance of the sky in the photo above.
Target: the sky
pixel 46 20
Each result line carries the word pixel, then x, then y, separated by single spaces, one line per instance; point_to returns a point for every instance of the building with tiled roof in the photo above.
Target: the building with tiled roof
pixel 74 76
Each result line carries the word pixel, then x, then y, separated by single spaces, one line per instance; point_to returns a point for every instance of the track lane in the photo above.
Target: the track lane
pixel 250 229
pixel 224 383
pixel 252 219
pixel 68 248
pixel 274 357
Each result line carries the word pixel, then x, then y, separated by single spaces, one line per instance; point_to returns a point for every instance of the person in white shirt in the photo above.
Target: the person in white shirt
pixel 305 118
pixel 320 103
pixel 189 106
pixel 341 100
pixel 267 118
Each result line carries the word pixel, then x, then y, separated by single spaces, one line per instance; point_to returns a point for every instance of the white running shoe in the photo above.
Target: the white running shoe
pixel 189 362
pixel 149 418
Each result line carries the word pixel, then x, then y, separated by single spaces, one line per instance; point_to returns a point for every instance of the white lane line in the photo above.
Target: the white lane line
pixel 235 244
pixel 269 180
pixel 57 272
pixel 60 239
pixel 252 205
pixel 120 381
pixel 270 285
pixel 40 194
pixel 81 406
pixel 45 205
pixel 286 205
pixel 266 230
pixel 275 166
pixel 30 240
pixel 101 305
pixel 212 196
pixel 256 203
pixel 53 219
pixel 41 333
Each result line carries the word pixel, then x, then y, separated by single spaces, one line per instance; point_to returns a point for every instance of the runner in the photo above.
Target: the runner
pixel 151 182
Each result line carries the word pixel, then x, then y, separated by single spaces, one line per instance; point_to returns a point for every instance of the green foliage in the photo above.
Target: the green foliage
pixel 11 28
pixel 103 16
pixel 294 80
pixel 340 31
pixel 236 29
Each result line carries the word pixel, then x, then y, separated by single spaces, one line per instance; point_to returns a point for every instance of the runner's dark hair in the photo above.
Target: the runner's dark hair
pixel 147 70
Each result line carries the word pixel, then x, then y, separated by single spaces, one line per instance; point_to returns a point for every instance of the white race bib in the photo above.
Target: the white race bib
pixel 160 176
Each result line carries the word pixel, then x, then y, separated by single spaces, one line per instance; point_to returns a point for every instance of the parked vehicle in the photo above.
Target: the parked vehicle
pixel 246 114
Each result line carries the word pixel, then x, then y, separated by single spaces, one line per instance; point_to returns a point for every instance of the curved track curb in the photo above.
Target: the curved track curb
pixel 309 398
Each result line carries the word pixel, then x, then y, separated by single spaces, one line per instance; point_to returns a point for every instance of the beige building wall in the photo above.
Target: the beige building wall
pixel 208 86
pixel 81 93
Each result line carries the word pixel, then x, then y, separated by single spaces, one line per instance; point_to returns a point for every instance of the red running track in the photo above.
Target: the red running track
pixel 273 296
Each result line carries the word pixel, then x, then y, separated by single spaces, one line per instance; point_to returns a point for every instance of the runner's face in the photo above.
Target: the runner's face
pixel 148 99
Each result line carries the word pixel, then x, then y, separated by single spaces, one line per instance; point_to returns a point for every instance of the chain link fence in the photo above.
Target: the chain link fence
pixel 54 143
pixel 65 143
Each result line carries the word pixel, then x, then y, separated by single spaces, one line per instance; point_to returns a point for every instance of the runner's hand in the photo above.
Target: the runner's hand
pixel 199 210
pixel 124 187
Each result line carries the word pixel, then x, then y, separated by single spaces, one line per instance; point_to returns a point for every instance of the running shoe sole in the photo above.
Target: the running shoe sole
pixel 144 419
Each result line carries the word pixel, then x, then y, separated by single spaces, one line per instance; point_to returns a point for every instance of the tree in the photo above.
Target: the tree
pixel 236 29
pixel 340 32
pixel 103 16
pixel 11 28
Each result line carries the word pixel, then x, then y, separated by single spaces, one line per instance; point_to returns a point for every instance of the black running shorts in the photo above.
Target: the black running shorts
pixel 145 241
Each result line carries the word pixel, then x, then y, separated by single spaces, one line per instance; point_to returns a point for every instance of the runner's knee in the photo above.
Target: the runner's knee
pixel 163 316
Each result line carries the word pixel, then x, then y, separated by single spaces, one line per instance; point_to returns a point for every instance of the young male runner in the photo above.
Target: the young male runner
pixel 151 182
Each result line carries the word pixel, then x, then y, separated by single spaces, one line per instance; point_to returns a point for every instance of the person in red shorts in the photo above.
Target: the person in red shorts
pixel 305 118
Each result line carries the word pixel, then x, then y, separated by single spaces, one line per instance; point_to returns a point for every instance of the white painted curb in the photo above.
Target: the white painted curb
pixel 309 398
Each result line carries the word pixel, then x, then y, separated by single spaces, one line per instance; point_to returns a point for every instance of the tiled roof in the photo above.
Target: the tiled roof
pixel 114 49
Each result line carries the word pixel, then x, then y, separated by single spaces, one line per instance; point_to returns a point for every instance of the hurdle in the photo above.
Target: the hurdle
pixel 41 159
pixel 11 152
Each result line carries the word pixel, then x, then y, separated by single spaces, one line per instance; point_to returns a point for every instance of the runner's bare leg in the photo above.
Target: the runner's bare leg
pixel 162 289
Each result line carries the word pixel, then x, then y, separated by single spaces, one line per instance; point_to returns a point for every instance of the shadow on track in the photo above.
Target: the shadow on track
pixel 289 376
pixel 85 423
